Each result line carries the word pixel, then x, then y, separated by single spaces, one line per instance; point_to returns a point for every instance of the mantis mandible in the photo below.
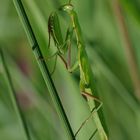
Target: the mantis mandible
pixel 86 77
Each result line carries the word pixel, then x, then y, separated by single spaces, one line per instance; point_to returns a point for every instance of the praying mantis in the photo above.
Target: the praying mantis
pixel 86 83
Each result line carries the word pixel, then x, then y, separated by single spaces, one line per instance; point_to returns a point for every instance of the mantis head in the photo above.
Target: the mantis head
pixel 67 7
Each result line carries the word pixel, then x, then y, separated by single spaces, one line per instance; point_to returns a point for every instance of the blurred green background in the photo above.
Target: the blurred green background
pixel 106 44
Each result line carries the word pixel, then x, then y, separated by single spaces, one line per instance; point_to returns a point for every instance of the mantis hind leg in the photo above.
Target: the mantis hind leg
pixel 94 110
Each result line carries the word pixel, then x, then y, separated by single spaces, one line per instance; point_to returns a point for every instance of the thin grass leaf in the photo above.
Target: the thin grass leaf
pixel 40 106
pixel 127 44
pixel 16 105
pixel 44 69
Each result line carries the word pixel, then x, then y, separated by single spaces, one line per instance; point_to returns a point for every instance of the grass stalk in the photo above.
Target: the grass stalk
pixel 43 67
pixel 129 51
pixel 15 102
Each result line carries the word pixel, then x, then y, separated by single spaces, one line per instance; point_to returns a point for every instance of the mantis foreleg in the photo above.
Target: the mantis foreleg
pixel 54 31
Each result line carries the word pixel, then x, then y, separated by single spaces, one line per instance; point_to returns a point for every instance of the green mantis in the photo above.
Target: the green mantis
pixel 86 77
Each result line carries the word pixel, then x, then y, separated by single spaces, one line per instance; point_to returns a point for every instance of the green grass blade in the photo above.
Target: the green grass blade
pixel 128 47
pixel 14 99
pixel 43 68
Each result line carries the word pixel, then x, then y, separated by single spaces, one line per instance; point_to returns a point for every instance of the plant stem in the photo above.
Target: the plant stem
pixel 16 105
pixel 129 51
pixel 43 67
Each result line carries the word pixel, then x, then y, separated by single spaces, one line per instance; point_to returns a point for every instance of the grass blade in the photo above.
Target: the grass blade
pixel 43 68
pixel 129 51
pixel 14 99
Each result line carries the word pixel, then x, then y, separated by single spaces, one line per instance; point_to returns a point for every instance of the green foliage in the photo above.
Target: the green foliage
pixel 108 61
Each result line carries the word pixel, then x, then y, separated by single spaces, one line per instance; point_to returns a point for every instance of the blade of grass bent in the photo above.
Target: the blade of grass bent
pixel 14 99
pixel 43 68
